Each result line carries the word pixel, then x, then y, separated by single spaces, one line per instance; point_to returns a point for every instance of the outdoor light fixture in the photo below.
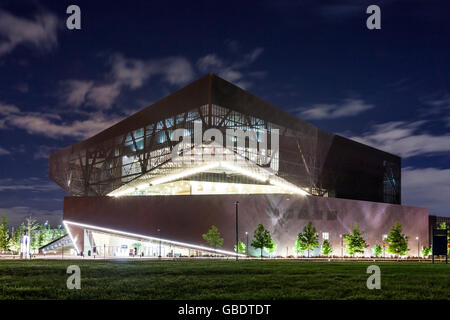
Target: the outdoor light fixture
pixel 237 229
pixel 246 246
pixel 159 236
pixel 418 247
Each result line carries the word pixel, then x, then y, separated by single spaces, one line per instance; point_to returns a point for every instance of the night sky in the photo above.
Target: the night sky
pixel 388 88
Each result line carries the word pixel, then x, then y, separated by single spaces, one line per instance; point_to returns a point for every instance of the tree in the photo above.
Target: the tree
pixel 4 234
pixel 213 237
pixel 241 247
pixel 298 247
pixel 308 239
pixel 326 249
pixel 16 238
pixel 273 248
pixel 31 227
pixel 41 239
pixel 137 246
pixel 426 252
pixel 58 232
pixel 397 242
pixel 49 233
pixel 354 242
pixel 262 239
pixel 377 250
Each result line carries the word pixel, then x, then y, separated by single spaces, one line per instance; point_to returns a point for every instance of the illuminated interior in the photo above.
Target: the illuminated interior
pixel 115 243
pixel 223 173
pixel 110 245
pixel 188 187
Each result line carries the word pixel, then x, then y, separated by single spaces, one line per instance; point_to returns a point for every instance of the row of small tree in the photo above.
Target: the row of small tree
pixel 262 240
pixel 353 242
pixel 308 240
pixel 40 234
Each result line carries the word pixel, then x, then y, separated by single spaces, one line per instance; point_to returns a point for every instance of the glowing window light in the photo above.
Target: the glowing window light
pixel 244 172
pixel 89 226
pixel 121 193
pixel 185 173
pixel 227 165
pixel 285 186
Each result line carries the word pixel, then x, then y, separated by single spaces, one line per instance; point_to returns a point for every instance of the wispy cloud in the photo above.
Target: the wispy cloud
pixel 32 184
pixel 347 108
pixel 4 152
pixel 92 98
pixel 22 87
pixel 75 91
pixel 425 187
pixel 39 32
pixel 52 125
pixel 134 72
pixel 8 109
pixel 438 107
pixel 124 73
pixel 231 69
pixel 404 139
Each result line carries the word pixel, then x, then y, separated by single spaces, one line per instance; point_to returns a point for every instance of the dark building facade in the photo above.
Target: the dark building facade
pixel 319 172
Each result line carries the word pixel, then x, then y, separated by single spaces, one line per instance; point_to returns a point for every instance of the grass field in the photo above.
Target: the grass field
pixel 221 279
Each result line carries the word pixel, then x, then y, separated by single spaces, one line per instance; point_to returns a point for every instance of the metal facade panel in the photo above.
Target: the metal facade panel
pixel 186 218
pixel 309 157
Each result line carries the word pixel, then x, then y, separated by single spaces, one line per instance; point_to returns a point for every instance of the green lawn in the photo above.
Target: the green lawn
pixel 220 279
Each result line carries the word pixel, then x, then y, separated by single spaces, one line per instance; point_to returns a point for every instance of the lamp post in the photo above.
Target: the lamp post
pixel 418 247
pixel 342 246
pixel 237 230
pixel 246 246
pixel 159 236
pixel 384 245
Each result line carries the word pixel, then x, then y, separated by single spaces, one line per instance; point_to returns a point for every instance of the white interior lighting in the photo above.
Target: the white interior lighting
pixel 244 172
pixel 182 244
pixel 290 188
pixel 262 176
pixel 185 173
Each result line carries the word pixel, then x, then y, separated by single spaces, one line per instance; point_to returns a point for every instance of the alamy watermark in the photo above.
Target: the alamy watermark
pixel 73 22
pixel 211 145
pixel 74 280
pixel 374 280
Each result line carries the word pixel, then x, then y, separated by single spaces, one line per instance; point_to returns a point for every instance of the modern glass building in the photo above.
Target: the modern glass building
pixel 156 181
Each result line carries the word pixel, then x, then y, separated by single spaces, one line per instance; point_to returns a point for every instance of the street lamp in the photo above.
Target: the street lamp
pixel 418 247
pixel 159 236
pixel 236 203
pixel 384 245
pixel 342 245
pixel 246 246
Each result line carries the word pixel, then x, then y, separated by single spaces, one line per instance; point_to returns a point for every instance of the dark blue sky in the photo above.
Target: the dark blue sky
pixel 388 88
